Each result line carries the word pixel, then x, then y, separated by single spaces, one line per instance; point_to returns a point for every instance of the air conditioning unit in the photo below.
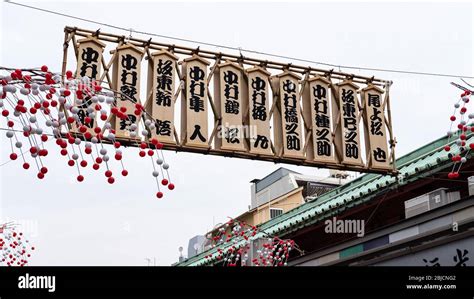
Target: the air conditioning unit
pixel 470 181
pixel 430 201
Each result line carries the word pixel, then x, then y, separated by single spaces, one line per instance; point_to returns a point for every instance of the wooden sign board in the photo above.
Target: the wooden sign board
pixel 317 108
pixel 349 123
pixel 229 95
pixel 162 77
pixel 194 104
pixel 289 135
pixel 126 79
pixel 89 64
pixel 375 128
pixel 258 114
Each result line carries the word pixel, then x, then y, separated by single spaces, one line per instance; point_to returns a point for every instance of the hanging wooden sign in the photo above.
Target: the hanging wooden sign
pixel 194 111
pixel 289 134
pixel 258 114
pixel 126 79
pixel 89 62
pixel 375 128
pixel 162 77
pixel 229 94
pixel 317 105
pixel 348 112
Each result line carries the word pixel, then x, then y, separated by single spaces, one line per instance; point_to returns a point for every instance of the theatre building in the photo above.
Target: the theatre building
pixel 417 218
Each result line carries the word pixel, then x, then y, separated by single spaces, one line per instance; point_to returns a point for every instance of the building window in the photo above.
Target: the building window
pixel 275 212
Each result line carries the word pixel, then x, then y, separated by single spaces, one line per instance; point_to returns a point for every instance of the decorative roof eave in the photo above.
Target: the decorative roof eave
pixel 165 53
pixel 258 69
pixel 230 64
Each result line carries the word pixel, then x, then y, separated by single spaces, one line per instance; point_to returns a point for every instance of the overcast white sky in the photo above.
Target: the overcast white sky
pixel 95 223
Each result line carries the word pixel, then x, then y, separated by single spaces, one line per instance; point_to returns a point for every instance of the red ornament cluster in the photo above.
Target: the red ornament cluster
pixel 15 250
pixel 237 237
pixel 75 112
pixel 464 126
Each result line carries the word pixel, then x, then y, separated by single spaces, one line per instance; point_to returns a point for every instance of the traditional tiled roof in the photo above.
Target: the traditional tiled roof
pixel 418 163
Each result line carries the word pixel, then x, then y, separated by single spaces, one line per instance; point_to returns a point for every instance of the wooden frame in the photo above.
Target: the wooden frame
pixel 216 58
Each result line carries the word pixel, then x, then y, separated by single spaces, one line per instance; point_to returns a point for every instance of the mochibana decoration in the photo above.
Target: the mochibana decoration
pixel 464 122
pixel 15 249
pixel 38 106
pixel 245 249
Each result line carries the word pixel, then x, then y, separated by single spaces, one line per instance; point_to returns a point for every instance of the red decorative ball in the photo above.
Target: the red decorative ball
pixel 471 146
pixel 108 173
pixel 124 172
pixel 159 145
pixel 164 182
pixel 44 68
pixel 44 138
pixel 63 152
pixel 452 118
pixel 150 153
pixel 5 113
pixel 118 157
pixel 117 144
pixel 40 175
pixel 88 150
pixel 103 117
pixel 13 156
pixel 159 194
pixel 26 165
pixel 142 154
pixel 84 163
pixel 447 148
pixel 71 163
pixel 171 186
pixel 43 152
pixel 80 178
pixel 44 170
pixel 111 180
pixel 96 166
